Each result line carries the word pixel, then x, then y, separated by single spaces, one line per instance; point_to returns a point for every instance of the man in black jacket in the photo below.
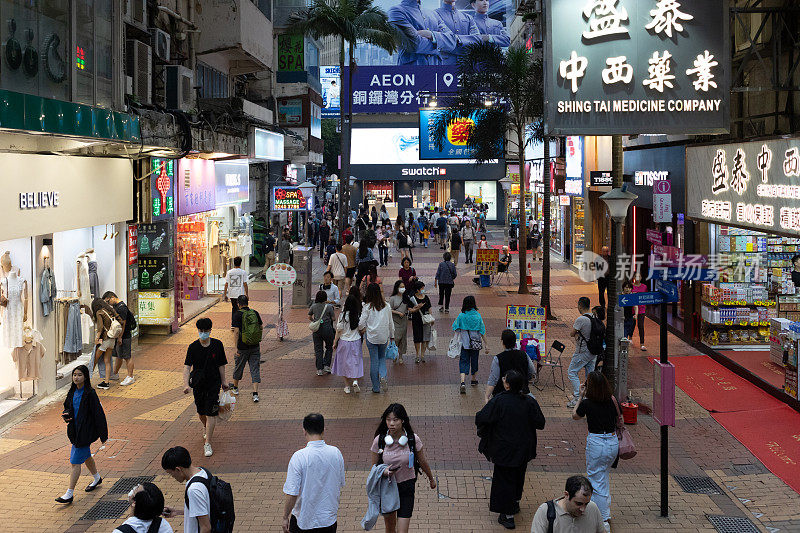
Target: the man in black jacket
pixel 509 359
pixel 507 427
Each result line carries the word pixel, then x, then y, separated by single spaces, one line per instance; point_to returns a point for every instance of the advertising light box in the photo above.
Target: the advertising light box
pixel 290 199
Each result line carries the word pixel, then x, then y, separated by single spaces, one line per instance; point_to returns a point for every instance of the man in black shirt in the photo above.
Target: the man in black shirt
pixel 249 354
pixel 605 280
pixel 269 249
pixel 204 374
pixel 509 359
pixel 122 349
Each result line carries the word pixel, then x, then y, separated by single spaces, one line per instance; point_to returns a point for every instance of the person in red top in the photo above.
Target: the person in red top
pixel 407 274
pixel 638 286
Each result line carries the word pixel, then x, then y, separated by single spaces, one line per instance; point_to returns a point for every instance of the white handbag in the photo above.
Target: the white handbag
pixel 454 349
pixel 314 325
pixel 427 318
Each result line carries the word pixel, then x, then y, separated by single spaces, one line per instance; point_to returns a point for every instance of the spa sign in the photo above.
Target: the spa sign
pixel 289 199
pixel 635 66
pixel 752 185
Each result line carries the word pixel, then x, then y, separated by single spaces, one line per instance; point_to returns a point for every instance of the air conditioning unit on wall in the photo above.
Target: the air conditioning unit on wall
pixel 179 87
pixel 138 65
pixel 160 42
pixel 135 12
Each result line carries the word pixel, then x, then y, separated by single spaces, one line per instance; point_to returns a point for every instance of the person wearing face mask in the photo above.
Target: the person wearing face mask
pixel 420 305
pixel 147 504
pixel 86 423
pixel 398 303
pixel 204 374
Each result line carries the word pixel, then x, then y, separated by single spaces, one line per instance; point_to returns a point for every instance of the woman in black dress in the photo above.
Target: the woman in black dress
pixel 420 305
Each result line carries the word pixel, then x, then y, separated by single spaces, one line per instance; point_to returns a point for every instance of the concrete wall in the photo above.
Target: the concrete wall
pixel 239 26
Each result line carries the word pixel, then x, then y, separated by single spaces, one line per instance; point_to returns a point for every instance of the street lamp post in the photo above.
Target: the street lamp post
pixel 618 201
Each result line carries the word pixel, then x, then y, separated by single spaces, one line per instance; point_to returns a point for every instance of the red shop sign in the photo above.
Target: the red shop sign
pixel 133 244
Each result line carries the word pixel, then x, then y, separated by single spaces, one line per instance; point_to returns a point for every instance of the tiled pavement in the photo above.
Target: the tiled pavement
pixel 252 450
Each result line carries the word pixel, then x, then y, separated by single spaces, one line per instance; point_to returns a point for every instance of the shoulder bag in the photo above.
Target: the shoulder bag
pixel 627 450
pixel 115 329
pixel 314 325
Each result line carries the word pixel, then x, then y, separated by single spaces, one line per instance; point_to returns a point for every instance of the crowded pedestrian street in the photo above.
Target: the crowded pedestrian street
pixel 252 449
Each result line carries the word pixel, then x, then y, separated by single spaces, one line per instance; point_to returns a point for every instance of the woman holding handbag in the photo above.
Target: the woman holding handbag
pixel 378 329
pixel 469 323
pixel 421 320
pixel 597 404
pixel 349 362
pixel 321 318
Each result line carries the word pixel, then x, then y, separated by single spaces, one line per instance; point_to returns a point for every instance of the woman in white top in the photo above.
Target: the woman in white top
pixel 337 264
pixel 147 503
pixel 378 328
pixel 348 362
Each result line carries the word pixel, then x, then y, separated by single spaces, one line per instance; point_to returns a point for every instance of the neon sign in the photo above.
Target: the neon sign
pixel 289 199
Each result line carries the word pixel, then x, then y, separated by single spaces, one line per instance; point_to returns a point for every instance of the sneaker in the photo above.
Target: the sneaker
pixel 320 372
pixel 644 348
pixel 384 385
pixel 607 526
pixel 572 403
pixel 474 382
pixel 347 390
pixel 399 359
pixel 127 381
pixel 103 385
pixel 507 521
pixel 114 377
pixel 255 397
pixel 463 388
pixel 441 309
pixel 234 390
pixel 326 369
pixel 207 451
pixel 447 311
pixel 356 387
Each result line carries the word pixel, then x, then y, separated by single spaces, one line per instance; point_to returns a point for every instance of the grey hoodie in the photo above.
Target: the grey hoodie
pixel 382 495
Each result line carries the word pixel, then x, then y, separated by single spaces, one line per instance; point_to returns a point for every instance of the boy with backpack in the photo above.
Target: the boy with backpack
pixel 207 500
pixel 247 326
pixel 589 334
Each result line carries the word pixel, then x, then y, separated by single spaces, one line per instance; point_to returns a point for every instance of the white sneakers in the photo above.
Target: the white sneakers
pixel 607 526
pixel 347 390
pixel 356 387
pixel 207 450
pixel 127 381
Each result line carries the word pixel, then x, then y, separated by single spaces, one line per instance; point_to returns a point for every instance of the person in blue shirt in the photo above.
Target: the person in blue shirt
pixel 463 28
pixel 488 26
pixel 426 33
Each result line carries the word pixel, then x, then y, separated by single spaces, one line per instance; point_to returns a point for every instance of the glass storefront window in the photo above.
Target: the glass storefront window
pixel 484 192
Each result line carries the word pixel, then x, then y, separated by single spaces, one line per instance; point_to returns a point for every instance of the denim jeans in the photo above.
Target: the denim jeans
pixel 377 364
pixel 468 358
pixel 601 451
pixel 101 365
pixel 581 360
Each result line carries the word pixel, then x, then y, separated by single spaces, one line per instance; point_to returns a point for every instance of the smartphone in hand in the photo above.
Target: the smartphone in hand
pixel 65 416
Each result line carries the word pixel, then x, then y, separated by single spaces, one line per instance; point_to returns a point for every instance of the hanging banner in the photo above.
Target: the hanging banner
pixel 625 67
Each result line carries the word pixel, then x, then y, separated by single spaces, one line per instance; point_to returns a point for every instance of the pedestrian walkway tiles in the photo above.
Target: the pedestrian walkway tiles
pixel 169 412
pixel 8 445
pixel 148 384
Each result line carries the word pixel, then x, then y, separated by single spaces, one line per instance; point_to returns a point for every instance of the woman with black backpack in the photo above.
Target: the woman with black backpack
pixel 86 423
pixel 397 446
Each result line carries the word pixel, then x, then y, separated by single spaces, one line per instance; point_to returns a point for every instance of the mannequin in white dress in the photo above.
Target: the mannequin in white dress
pixel 14 290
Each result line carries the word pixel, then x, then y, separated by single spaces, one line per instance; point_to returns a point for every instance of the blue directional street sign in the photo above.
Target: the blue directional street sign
pixel 686 273
pixel 641 298
pixel 670 290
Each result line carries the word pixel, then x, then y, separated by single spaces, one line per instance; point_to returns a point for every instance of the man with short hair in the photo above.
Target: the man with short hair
pixel 467 238
pixel 204 374
pixel 197 503
pixel 122 348
pixel 249 354
pixel 350 252
pixel 441 230
pixel 509 359
pixel 235 285
pixel 574 512
pixel 314 481
pixel 330 288
pixel 582 358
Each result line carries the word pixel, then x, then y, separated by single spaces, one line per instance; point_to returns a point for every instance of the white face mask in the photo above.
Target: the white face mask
pixel 401 290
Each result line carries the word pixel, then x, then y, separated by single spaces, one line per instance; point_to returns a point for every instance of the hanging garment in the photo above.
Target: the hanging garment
pixel 29 356
pixel 213 234
pixel 73 342
pixel 84 289
pixel 61 312
pixel 47 291
pixel 215 261
pixel 94 281
pixel 11 328
pixel 87 324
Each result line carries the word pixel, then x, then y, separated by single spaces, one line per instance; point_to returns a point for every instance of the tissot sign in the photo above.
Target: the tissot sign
pixel 637 66
pixel 754 184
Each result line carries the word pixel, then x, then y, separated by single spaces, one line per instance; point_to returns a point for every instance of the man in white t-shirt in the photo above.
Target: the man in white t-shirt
pixel 197 515
pixel 235 285
pixel 314 481
pixel 582 357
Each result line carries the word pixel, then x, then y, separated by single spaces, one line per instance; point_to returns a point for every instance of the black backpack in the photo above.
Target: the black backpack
pixel 597 336
pixel 551 515
pixel 155 525
pixel 221 495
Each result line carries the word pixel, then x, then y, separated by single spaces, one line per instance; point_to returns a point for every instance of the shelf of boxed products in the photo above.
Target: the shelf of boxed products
pixel 737 294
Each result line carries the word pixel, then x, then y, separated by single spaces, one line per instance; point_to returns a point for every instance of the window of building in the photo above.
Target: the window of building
pixel 213 83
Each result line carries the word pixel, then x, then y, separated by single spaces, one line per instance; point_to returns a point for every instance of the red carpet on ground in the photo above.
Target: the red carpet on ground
pixel 773 436
pixel 759 364
pixel 718 389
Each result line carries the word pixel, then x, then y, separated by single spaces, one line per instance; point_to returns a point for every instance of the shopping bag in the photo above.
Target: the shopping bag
pixel 432 342
pixel 391 351
pixel 454 349
pixel 227 403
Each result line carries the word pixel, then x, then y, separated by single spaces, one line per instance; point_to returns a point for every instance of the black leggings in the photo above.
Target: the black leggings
pixel 445 289
pixel 640 327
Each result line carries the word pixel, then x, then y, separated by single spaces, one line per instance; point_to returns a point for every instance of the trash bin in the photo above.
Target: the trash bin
pixel 630 412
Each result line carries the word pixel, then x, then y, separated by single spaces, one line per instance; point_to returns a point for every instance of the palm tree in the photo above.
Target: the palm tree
pixel 351 22
pixel 502 94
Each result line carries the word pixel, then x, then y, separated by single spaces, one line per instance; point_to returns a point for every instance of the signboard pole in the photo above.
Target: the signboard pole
pixel 664 428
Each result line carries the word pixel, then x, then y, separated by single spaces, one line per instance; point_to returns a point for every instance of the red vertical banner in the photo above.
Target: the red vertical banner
pixel 133 244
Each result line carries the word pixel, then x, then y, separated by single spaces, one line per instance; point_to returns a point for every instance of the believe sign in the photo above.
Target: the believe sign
pixel 753 185
pixel 636 66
